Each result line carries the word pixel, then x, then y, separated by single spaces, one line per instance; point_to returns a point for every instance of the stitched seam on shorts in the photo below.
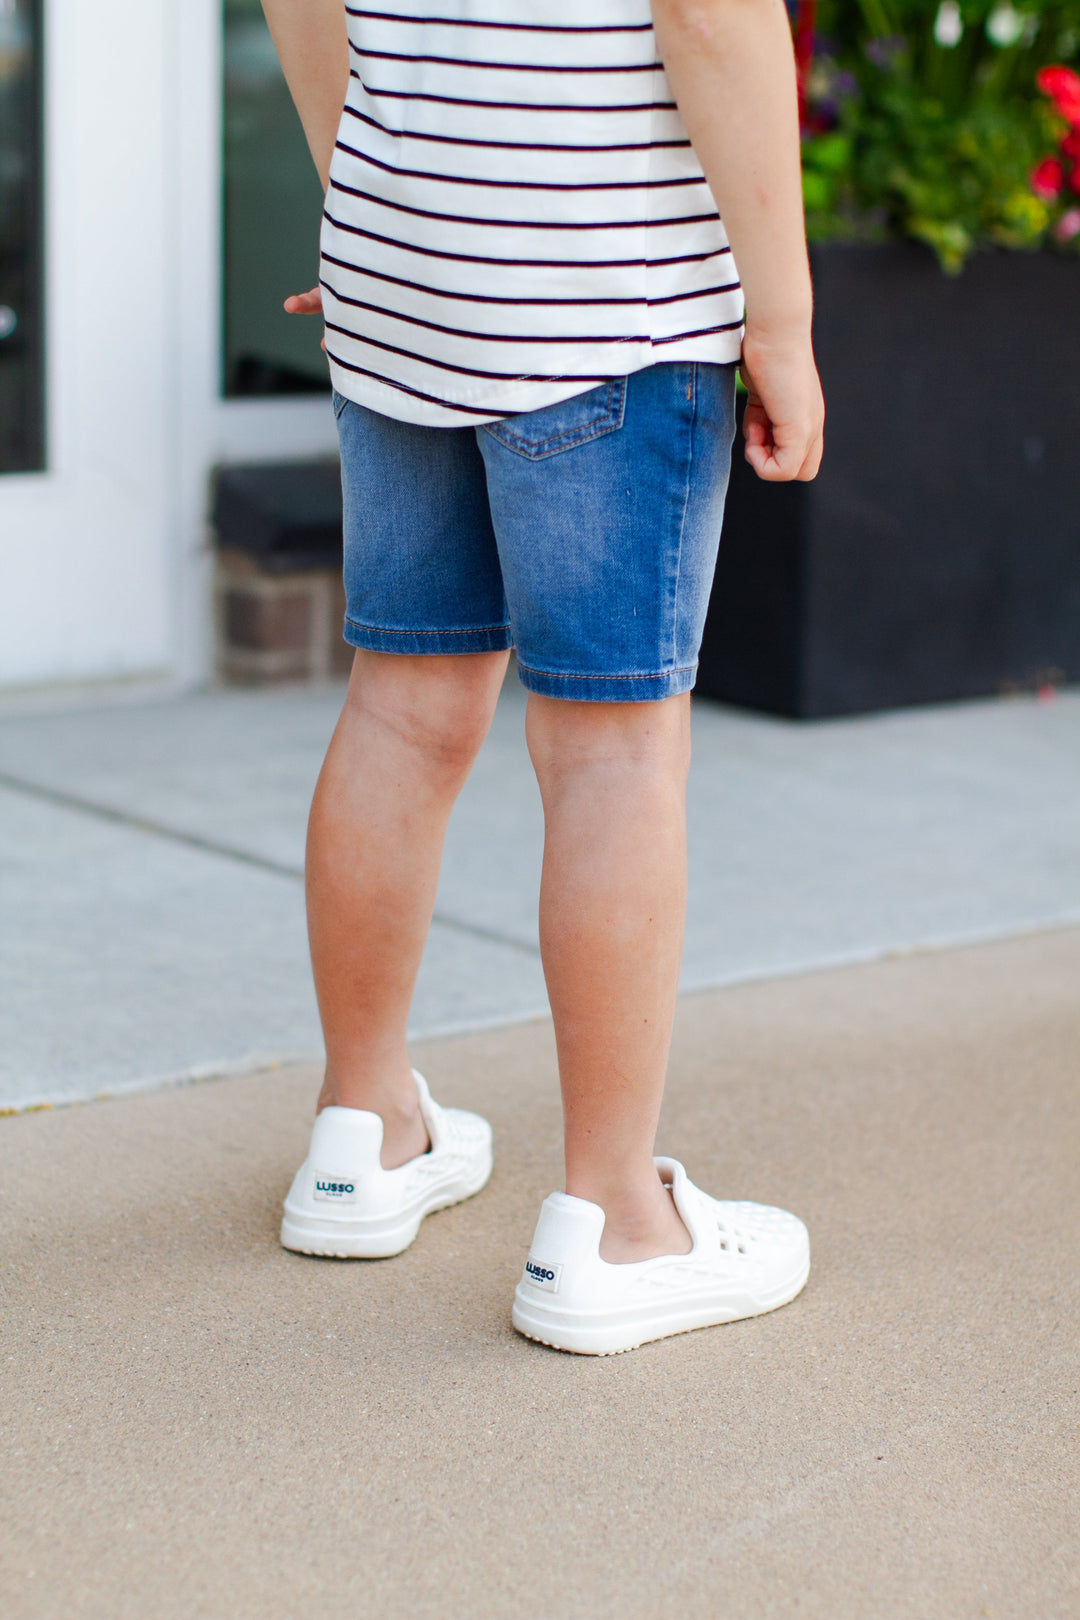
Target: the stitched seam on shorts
pixel 594 429
pixel 587 430
pixel 377 630
pixel 682 520
pixel 509 437
pixel 656 675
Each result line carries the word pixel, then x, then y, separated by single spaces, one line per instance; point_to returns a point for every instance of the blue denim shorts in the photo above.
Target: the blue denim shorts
pixel 583 534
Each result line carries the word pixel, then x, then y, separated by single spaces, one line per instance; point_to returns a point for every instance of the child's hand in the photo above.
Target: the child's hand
pixel 309 303
pixel 785 413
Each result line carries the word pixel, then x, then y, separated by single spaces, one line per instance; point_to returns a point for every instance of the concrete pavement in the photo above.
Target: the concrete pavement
pixel 196 1423
pixel 199 1424
pixel 151 919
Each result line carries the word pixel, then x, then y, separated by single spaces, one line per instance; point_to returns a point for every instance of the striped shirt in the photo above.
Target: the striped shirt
pixel 515 212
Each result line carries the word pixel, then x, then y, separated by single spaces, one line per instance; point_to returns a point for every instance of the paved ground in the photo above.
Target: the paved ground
pixel 151 924
pixel 199 1424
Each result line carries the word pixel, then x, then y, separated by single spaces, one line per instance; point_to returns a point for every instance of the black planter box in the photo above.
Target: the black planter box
pixel 285 514
pixel 937 555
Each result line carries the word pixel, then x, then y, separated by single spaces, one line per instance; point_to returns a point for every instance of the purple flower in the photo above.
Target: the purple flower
pixel 883 52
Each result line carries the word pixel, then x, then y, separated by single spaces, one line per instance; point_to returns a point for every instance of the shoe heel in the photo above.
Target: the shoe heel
pixel 563 1253
pixel 346 1138
pixel 568 1229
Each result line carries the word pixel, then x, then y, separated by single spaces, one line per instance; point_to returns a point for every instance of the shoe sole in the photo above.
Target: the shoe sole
pixel 603 1334
pixel 379 1237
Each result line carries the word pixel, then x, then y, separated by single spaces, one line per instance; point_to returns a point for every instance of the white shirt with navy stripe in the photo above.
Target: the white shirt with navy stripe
pixel 515 212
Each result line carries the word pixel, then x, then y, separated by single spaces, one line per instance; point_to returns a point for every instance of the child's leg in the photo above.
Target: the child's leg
pixel 613 779
pixel 409 732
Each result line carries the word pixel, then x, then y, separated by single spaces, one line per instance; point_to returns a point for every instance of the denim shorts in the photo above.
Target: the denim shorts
pixel 583 534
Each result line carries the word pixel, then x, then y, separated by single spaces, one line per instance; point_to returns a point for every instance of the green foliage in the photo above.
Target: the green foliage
pixel 924 120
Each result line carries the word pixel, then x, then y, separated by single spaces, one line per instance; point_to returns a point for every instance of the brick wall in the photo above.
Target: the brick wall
pixel 278 627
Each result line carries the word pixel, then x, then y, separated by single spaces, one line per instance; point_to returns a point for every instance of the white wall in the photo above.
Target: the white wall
pixel 104 570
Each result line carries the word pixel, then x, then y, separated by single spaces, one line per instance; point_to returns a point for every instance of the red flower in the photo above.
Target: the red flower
pixel 805 21
pixel 1047 179
pixel 1062 85
pixel 1070 146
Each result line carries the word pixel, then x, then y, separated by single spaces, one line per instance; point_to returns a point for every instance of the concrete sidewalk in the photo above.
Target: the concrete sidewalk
pixel 199 1424
pixel 151 925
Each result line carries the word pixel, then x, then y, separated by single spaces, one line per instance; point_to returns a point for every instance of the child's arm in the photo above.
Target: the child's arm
pixel 313 49
pixel 731 68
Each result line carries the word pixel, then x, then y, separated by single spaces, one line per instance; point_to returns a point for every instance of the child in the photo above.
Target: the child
pixel 533 321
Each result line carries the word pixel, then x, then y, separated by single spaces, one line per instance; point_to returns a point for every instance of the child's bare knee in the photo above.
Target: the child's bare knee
pixel 441 707
pixel 649 738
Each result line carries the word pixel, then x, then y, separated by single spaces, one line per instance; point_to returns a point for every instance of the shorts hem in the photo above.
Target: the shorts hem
pixel 481 639
pixel 636 688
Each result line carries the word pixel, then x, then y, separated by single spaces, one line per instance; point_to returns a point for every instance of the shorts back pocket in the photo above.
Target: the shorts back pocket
pixel 553 428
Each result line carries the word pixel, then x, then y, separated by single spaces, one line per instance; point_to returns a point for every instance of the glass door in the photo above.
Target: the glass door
pixel 272 208
pixel 22 428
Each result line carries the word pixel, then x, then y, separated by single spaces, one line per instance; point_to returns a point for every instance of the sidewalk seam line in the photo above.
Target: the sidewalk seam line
pixel 210 846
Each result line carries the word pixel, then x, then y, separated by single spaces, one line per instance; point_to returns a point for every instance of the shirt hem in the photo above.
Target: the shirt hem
pixel 519 395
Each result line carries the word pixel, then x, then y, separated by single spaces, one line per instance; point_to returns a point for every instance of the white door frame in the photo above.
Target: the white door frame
pixel 105 564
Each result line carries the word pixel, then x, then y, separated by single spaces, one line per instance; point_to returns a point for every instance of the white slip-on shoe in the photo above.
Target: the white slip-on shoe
pixel 746 1259
pixel 343 1203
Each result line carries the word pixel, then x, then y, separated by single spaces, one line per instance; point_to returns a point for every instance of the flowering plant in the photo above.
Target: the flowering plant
pixel 956 122
pixel 1056 179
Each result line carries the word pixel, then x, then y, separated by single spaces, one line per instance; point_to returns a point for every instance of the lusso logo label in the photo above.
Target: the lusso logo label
pixel 542 1276
pixel 334 1189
